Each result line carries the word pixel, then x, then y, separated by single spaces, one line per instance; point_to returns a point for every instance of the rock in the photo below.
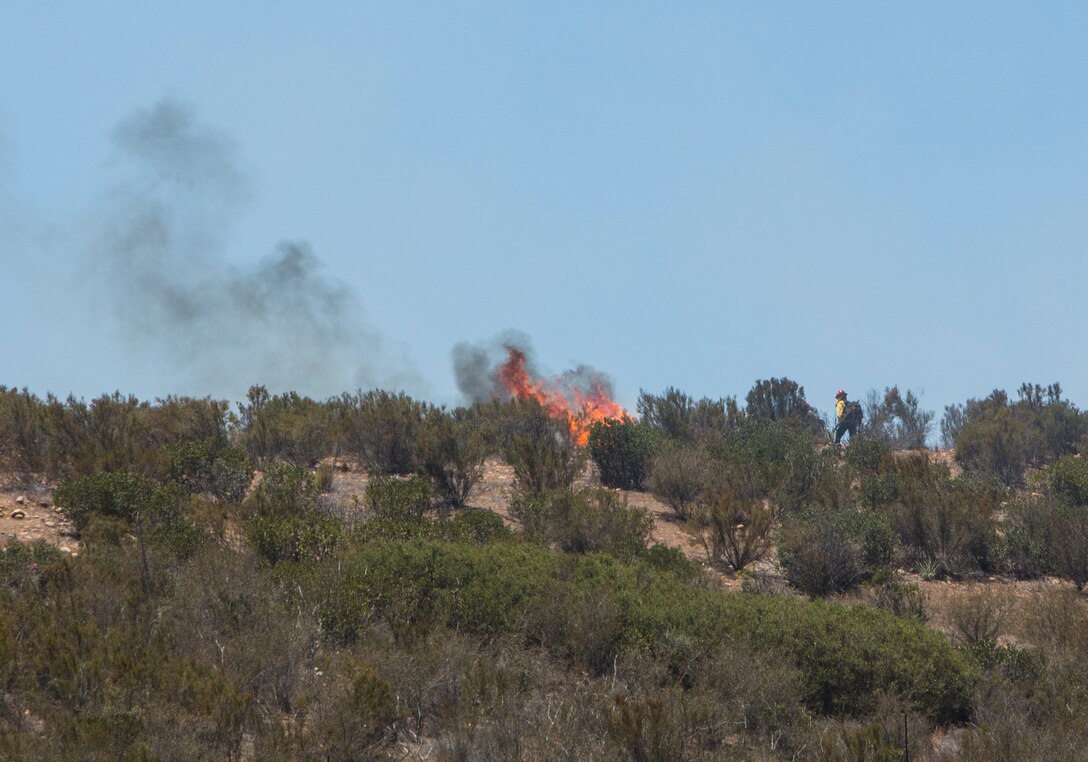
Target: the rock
pixel 18 513
pixel 65 549
pixel 21 500
pixel 50 523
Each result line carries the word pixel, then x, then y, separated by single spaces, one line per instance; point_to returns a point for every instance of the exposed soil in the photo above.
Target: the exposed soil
pixel 30 516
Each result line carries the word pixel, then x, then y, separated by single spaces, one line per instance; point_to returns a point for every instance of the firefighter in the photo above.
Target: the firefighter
pixel 847 416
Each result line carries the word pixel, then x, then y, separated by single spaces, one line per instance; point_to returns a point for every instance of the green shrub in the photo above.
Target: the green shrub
pixel 1067 479
pixel 678 477
pixel 589 606
pixel 623 451
pixel 538 447
pixel 307 537
pixel 781 399
pixel 823 552
pixel 864 456
pixel 382 429
pixel 1049 535
pixel 120 495
pixel 451 450
pixel 775 460
pixel 589 520
pixel 949 521
pixel 687 421
pixel 896 420
pixel 295 429
pixel 1000 438
pixel 398 499
pixel 473 526
pixel 225 474
pixel 285 522
pixel 739 528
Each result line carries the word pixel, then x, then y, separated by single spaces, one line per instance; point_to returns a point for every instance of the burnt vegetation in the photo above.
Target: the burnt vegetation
pixel 229 601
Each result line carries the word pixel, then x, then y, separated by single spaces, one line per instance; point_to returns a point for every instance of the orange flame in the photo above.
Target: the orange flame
pixel 564 401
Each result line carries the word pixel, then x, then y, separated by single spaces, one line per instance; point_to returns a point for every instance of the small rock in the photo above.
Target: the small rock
pixel 50 523
pixel 21 500
pixel 65 549
pixel 18 514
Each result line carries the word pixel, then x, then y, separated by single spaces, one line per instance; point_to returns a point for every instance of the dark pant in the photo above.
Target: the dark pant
pixel 847 426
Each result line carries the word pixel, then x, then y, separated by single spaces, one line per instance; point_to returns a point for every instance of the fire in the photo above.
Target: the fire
pixel 577 404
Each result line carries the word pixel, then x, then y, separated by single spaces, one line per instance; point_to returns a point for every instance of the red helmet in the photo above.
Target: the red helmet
pixel 840 393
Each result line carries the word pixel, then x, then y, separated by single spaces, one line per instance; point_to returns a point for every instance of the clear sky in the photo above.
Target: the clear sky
pixel 688 194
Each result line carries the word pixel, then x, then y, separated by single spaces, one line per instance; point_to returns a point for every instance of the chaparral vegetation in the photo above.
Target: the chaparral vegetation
pixel 374 577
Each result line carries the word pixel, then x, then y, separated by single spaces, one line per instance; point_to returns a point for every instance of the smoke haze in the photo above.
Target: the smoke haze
pixel 180 305
pixel 476 369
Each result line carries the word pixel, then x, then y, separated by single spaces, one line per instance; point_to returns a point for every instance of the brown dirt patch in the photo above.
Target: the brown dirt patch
pixel 30 515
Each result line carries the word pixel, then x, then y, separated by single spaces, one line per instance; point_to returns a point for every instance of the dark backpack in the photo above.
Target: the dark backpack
pixel 853 413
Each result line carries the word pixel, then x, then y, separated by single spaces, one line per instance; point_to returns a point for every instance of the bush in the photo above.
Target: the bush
pixel 224 474
pixel 623 451
pixel 978 613
pixel 685 420
pixel 1049 535
pixel 590 520
pixel 285 522
pixel 295 429
pixel 780 399
pixel 398 499
pixel 118 495
pixel 1067 479
pixel 896 420
pixel 382 429
pixel 823 552
pixel 587 606
pixel 538 447
pixel 776 460
pixel 451 450
pixel 950 522
pixel 739 528
pixel 1002 439
pixel 678 477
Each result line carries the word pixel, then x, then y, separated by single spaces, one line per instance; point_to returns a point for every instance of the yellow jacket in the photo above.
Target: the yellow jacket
pixel 840 407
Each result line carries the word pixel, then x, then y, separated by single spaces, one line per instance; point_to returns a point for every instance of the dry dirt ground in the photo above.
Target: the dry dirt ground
pixel 30 515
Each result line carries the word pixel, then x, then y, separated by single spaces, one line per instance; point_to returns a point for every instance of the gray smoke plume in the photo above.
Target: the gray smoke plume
pixel 476 368
pixel 180 304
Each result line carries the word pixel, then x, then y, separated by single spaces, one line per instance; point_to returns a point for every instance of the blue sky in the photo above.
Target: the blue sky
pixel 695 195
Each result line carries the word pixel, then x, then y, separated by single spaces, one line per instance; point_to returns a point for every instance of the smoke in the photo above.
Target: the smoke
pixel 477 369
pixel 209 325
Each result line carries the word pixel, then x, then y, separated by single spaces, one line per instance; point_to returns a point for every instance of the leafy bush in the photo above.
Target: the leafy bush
pixel 399 499
pixel 780 399
pixel 224 474
pixel 678 477
pixel 896 420
pixel 948 521
pixel 844 654
pixel 1067 479
pixel 295 429
pixel 823 552
pixel 685 420
pixel 1002 439
pixel 1049 535
pixel 474 526
pixel 285 522
pixel 589 520
pixel 538 447
pixel 451 450
pixel 382 429
pixel 775 460
pixel 738 528
pixel 119 495
pixel 623 451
